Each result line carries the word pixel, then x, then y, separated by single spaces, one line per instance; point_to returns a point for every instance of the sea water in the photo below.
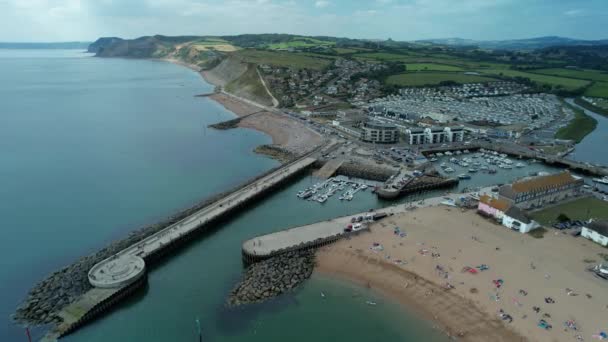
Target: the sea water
pixel 93 148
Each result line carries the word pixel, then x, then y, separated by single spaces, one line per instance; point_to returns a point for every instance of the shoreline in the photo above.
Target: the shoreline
pixel 421 271
pixel 286 133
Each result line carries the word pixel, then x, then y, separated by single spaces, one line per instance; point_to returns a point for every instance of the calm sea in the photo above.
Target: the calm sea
pixel 93 148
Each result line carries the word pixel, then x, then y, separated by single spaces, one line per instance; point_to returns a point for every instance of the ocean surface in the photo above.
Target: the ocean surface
pixel 94 148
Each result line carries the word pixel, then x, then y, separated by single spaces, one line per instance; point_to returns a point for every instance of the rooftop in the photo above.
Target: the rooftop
pixel 543 182
pixel 518 214
pixel 495 203
pixel 600 226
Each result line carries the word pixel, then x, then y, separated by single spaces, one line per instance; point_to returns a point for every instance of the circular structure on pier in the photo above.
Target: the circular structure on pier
pixel 117 271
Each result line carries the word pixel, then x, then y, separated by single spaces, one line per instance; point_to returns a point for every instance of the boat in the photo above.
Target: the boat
pixel 363 187
pixel 448 170
pixel 443 165
pixel 322 295
pixel 449 202
pixel 520 165
pixel 475 196
pixel 603 180
pixel 472 170
pixel 433 159
pixel 458 153
pixel 448 153
pixel 369 302
pixel 453 160
pixel 484 167
pixel 492 171
pixel 464 176
pixel 439 154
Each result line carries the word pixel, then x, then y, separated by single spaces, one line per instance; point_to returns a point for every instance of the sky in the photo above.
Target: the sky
pixel 86 20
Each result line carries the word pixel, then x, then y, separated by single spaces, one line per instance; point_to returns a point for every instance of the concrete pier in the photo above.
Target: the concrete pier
pixel 325 232
pixel 118 276
pixel 121 269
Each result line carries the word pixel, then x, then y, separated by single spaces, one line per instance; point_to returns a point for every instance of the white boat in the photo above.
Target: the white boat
pixel 472 170
pixel 369 302
pixel 520 165
pixel 507 166
pixel 603 180
pixel 464 176
pixel 433 159
pixel 447 153
pixel 449 202
pixel 448 170
pixel 439 154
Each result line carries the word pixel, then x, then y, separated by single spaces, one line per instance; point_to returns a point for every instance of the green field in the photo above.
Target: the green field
pixel 282 59
pixel 434 78
pixel 301 42
pixel 598 89
pixel 581 209
pixel 431 67
pixel 345 51
pixel 584 74
pixel 566 83
pixel 578 128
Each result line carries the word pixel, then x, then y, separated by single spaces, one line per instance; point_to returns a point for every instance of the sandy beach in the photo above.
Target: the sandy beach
pixel 418 268
pixel 285 131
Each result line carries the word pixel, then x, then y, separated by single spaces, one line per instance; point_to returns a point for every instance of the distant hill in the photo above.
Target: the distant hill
pixel 60 45
pixel 516 44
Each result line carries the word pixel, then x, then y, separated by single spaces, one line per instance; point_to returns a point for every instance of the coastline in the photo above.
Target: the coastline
pixel 287 134
pixel 406 271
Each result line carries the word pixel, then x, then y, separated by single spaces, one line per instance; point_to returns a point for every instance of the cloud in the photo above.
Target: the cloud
pixel 61 20
pixel 322 4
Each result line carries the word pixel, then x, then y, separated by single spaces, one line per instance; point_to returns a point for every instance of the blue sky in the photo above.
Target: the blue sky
pixel 63 20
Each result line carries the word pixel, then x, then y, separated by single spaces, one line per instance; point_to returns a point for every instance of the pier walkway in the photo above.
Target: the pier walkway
pixel 127 266
pixel 325 232
pixel 329 169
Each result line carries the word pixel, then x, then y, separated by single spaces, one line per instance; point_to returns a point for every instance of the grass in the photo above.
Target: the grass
pixel 566 83
pixel 282 59
pixel 300 42
pixel 598 89
pixel 345 51
pixel 578 128
pixel 580 209
pixel 431 67
pixel 583 74
pixel 434 78
pixel 249 85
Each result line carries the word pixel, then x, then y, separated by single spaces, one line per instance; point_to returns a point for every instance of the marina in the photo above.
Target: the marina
pixel 346 187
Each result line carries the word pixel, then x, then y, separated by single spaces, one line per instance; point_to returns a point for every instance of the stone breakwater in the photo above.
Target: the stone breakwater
pixel 67 285
pixel 276 152
pixel 272 277
pixel 365 172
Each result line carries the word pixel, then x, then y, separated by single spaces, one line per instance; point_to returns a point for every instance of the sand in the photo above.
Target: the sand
pixel 466 239
pixel 285 131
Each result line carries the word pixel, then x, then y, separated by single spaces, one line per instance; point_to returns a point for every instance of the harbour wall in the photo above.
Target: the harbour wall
pixel 49 295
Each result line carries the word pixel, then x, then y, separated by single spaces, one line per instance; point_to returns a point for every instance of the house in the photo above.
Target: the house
pixel 493 207
pixel 596 231
pixel 535 192
pixel 517 219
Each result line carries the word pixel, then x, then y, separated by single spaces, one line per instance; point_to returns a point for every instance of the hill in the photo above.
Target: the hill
pixel 516 44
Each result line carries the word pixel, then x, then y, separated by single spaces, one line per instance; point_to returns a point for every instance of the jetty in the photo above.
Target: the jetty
pixel 324 233
pixel 122 273
pixel 329 169
pixel 527 153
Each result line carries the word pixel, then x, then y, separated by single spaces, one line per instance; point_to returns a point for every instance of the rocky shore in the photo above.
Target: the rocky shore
pixel 276 152
pixel 272 277
pixel 67 285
